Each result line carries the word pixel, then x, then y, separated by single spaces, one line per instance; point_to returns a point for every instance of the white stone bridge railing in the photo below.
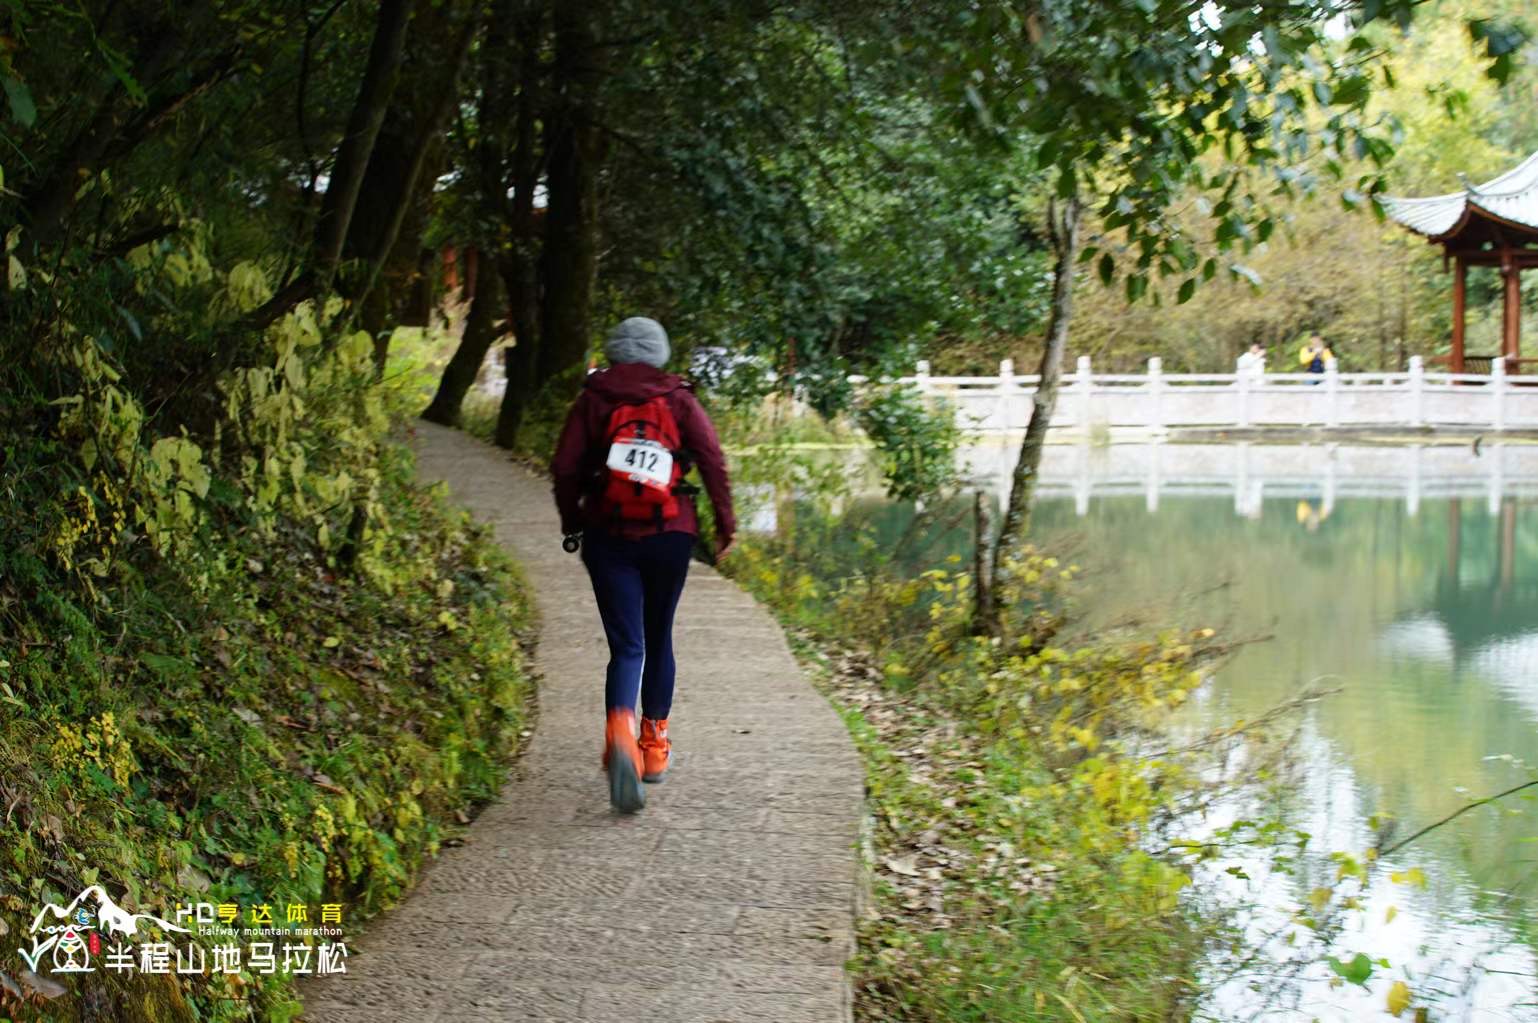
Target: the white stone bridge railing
pixel 1157 401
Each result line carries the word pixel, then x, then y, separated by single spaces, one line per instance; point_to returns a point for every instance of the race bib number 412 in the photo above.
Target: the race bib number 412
pixel 642 461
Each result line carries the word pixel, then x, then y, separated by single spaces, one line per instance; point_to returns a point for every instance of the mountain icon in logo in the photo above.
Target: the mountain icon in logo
pixel 70 920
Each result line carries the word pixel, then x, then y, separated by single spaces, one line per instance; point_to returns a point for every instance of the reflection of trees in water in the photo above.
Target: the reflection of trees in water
pixel 1479 596
pixel 1412 725
pixel 1416 718
pixel 1393 608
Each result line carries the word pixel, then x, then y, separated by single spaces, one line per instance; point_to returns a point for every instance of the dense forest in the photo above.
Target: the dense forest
pixel 241 653
pixel 831 187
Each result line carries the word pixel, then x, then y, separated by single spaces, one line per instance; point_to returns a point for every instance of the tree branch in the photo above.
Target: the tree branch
pixel 1455 815
pixel 123 246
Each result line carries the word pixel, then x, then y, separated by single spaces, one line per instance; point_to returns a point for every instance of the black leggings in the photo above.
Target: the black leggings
pixel 637 584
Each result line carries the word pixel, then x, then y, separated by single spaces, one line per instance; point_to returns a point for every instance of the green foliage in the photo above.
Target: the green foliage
pixel 1357 970
pixel 255 665
pixel 1378 293
pixel 1014 813
pixel 837 223
pixel 915 442
pixel 547 413
pixel 1138 105
pixel 269 732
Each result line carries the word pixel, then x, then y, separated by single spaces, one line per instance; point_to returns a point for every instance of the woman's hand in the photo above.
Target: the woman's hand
pixel 725 547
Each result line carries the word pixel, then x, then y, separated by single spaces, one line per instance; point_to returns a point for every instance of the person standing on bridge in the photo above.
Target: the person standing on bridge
pixel 619 465
pixel 1253 361
pixel 1315 355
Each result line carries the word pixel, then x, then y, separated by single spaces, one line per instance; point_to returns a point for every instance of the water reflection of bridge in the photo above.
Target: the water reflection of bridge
pixel 1482 615
pixel 1248 473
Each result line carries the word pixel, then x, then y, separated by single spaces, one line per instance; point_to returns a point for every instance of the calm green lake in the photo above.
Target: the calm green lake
pixel 1427 624
pixel 1407 580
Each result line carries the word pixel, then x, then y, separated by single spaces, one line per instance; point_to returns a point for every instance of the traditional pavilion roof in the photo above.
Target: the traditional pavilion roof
pixel 1510 200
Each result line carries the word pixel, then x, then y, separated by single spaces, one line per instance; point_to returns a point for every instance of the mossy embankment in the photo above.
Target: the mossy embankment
pixel 267 670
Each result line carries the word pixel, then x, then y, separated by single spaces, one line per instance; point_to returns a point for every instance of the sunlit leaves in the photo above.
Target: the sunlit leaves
pixel 1127 99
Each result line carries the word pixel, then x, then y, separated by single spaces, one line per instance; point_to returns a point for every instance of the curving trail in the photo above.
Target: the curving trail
pixel 730 898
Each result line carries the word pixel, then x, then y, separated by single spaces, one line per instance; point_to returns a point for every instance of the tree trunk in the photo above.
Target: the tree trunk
pixel 421 289
pixel 363 125
pixel 480 331
pixel 1063 220
pixel 520 263
pixel 983 614
pixel 336 215
pixel 523 357
pixel 48 205
pixel 570 260
pixel 403 295
pixel 438 46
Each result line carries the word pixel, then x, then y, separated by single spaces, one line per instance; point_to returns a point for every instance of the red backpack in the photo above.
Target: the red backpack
pixel 643 464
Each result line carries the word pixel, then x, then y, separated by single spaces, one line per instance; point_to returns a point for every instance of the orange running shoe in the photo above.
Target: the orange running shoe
pixel 622 761
pixel 656 750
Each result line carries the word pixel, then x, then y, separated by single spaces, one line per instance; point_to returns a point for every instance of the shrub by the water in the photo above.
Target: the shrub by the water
pixel 1015 818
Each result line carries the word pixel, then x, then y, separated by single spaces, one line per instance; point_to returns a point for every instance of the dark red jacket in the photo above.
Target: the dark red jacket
pixel 580 453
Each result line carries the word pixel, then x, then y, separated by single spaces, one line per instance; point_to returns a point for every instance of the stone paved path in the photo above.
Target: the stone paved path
pixel 729 898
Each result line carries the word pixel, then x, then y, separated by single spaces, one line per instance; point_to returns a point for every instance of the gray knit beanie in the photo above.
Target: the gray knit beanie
pixel 638 339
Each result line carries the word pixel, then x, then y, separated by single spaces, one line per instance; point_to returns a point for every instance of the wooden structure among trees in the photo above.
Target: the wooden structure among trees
pixel 1493 224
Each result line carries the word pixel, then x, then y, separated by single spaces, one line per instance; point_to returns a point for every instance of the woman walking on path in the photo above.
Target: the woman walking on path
pixel 632 434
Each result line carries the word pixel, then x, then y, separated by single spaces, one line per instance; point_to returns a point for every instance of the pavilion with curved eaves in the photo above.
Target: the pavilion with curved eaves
pixel 1493 224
